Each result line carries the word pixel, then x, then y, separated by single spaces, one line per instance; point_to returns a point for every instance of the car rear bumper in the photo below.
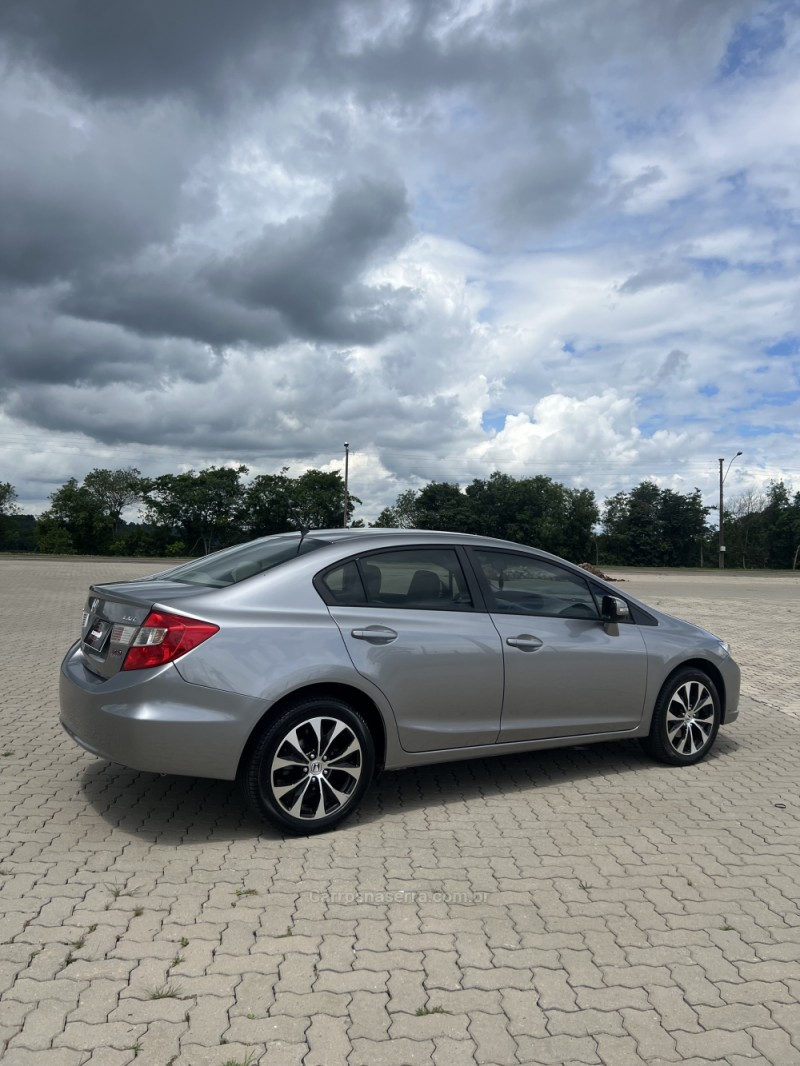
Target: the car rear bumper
pixel 153 720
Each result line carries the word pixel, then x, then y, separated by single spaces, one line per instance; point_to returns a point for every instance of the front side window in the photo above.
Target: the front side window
pixel 521 584
pixel 428 579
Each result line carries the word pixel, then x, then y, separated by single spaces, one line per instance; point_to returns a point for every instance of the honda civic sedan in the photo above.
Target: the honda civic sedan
pixel 301 664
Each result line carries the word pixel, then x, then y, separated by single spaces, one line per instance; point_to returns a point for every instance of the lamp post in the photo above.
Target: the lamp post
pixel 721 512
pixel 346 474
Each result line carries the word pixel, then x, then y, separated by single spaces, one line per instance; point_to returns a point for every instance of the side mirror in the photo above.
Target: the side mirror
pixel 614 609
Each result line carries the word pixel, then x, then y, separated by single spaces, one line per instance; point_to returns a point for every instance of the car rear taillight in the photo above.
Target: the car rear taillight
pixel 164 637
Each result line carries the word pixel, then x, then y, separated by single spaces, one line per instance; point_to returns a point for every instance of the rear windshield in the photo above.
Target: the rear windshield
pixel 233 565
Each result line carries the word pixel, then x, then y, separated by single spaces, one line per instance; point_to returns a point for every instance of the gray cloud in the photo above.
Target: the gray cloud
pixel 626 190
pixel 654 276
pixel 75 194
pixel 147 49
pixel 251 408
pixel 171 298
pixel 309 269
pixel 673 366
pixel 42 345
pixel 554 183
pixel 301 278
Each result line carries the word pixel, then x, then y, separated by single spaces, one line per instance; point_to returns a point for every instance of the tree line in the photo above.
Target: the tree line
pixel 191 513
pixel 199 511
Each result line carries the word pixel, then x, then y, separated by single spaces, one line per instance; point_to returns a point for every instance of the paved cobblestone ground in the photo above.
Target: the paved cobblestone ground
pixel 576 907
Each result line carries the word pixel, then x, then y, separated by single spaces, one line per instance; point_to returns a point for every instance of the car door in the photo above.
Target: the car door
pixel 410 625
pixel 566 672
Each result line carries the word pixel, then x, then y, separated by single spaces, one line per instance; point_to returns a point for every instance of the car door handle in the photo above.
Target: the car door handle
pixel 375 634
pixel 525 642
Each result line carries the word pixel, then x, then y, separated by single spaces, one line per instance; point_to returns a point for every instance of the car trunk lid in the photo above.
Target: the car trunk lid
pixel 112 617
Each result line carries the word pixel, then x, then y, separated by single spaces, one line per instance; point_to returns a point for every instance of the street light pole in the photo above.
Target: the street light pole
pixel 346 476
pixel 721 512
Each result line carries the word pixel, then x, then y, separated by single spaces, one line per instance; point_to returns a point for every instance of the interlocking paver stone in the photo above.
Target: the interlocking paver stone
pixel 403 1052
pixel 582 906
pixel 370 1018
pixel 557 1050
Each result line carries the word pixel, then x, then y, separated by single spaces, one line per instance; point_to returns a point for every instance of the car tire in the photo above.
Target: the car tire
pixel 309 767
pixel 685 720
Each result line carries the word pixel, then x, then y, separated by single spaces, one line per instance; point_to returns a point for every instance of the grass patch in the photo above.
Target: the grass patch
pixel 119 890
pixel 248 1060
pixel 169 990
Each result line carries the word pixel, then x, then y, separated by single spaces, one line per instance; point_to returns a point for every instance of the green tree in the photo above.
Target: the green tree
pixel 404 514
pixel 534 510
pixel 52 537
pixel 114 490
pixel 86 517
pixel 266 503
pixel 84 527
pixel 577 535
pixel 16 529
pixel 745 530
pixel 781 517
pixel 199 507
pixel 442 505
pixel 495 506
pixel 317 500
pixel 8 497
pixel 683 520
pixel 649 526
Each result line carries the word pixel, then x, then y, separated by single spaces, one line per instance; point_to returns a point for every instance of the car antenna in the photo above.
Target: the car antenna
pixel 298 521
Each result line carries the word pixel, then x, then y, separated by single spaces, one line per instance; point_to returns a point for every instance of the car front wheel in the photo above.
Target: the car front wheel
pixel 309 768
pixel 685 720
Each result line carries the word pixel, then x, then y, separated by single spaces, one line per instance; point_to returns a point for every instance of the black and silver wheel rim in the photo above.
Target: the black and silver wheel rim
pixel 691 714
pixel 316 768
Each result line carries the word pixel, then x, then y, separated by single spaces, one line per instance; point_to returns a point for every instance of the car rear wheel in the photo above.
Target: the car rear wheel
pixel 309 767
pixel 685 720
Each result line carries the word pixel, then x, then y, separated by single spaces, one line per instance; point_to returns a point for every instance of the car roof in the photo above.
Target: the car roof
pixel 343 536
pixel 340 535
pixel 378 531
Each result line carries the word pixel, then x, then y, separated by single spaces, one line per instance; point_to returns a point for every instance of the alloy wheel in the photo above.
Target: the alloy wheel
pixel 316 768
pixel 690 718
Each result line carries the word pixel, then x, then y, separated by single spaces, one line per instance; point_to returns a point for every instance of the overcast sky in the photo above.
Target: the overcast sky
pixel 544 237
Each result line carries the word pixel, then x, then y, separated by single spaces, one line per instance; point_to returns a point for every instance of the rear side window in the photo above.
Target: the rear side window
pixel 343 585
pixel 427 579
pixel 522 584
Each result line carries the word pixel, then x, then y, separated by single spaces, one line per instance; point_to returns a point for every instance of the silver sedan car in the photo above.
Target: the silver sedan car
pixel 303 664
